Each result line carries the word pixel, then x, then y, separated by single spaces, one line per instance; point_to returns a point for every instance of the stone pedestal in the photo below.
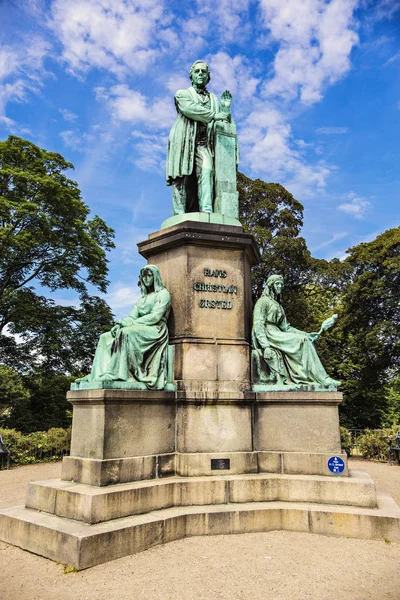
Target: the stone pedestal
pixel 212 457
pixel 206 268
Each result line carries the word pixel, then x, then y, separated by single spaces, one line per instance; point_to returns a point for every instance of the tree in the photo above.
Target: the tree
pixel 12 389
pixel 390 415
pixel 46 239
pixel 55 339
pixel 275 218
pixel 45 234
pixel 369 327
pixel 42 406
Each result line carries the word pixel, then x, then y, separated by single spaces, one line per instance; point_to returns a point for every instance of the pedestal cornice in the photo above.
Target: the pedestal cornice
pixel 200 234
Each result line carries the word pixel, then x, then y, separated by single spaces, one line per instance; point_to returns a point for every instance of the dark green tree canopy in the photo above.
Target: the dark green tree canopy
pixel 45 233
pixel 47 238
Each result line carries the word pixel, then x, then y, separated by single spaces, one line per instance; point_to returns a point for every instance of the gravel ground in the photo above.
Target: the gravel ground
pixel 278 565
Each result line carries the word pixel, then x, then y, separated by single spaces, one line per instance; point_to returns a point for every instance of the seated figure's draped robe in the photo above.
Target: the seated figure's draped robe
pixel 138 352
pixel 296 359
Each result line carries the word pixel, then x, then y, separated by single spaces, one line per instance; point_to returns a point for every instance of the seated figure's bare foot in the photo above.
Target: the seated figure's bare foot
pixel 81 379
pixel 108 377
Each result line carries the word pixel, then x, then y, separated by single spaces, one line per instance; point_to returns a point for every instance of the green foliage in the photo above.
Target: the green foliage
pixel 55 339
pixel 67 570
pixel 45 233
pixel 390 414
pixel 45 405
pixel 40 446
pixel 373 443
pixel 345 438
pixel 46 237
pixel 367 354
pixel 363 348
pixel 12 389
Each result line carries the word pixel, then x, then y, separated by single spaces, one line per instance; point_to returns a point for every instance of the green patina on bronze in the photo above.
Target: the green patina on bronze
pixel 135 350
pixel 202 150
pixel 284 357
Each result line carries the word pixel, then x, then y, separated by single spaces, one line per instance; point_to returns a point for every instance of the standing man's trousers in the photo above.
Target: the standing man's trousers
pixel 204 169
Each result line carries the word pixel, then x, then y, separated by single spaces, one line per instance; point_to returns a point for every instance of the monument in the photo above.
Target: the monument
pixel 200 417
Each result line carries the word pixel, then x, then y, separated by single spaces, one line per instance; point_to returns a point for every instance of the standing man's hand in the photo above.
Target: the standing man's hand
pixel 221 116
pixel 226 101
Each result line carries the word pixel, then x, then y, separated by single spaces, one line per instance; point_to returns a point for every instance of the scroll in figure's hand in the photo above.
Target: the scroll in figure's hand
pixel 328 323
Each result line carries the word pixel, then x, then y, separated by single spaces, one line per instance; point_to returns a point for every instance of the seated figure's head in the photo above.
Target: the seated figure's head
pixel 274 286
pixel 199 73
pixel 150 279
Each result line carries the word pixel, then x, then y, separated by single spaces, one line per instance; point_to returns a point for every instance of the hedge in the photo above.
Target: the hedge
pixel 40 446
pixel 373 443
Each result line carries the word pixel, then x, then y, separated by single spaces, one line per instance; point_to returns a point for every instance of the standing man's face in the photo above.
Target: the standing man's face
pixel 200 75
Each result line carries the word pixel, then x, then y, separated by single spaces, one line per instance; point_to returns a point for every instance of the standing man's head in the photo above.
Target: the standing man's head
pixel 199 74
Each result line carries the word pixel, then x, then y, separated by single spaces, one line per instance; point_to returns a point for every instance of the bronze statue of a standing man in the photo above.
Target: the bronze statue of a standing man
pixel 190 157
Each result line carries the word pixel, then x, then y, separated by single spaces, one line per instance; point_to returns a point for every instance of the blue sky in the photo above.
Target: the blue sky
pixel 316 98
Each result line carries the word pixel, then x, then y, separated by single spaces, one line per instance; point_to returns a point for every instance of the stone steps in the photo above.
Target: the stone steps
pixel 92 505
pixel 83 545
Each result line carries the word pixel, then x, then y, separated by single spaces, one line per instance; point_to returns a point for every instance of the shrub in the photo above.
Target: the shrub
pixel 40 446
pixel 374 443
pixel 345 438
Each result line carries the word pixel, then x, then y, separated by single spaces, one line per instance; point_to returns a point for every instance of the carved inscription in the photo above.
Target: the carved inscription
pixel 215 304
pixel 214 273
pixel 206 287
pixel 211 287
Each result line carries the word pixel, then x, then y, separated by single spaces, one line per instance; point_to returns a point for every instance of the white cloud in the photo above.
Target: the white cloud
pixel 314 40
pixel 336 236
pixel 127 104
pixel 68 115
pixel 392 59
pixel 229 17
pixel 332 130
pixel 122 297
pixel 379 10
pixel 233 74
pixel 150 151
pixel 21 71
pixel 121 36
pixel 76 140
pixel 357 206
pixel 268 148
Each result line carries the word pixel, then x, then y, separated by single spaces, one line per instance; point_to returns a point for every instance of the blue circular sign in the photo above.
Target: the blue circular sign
pixel 336 465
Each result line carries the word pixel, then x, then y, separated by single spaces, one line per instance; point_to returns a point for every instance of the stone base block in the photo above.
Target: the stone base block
pixel 94 505
pixel 302 463
pixel 118 470
pixel 195 464
pixel 203 425
pixel 82 546
pixel 297 422
pixel 212 463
